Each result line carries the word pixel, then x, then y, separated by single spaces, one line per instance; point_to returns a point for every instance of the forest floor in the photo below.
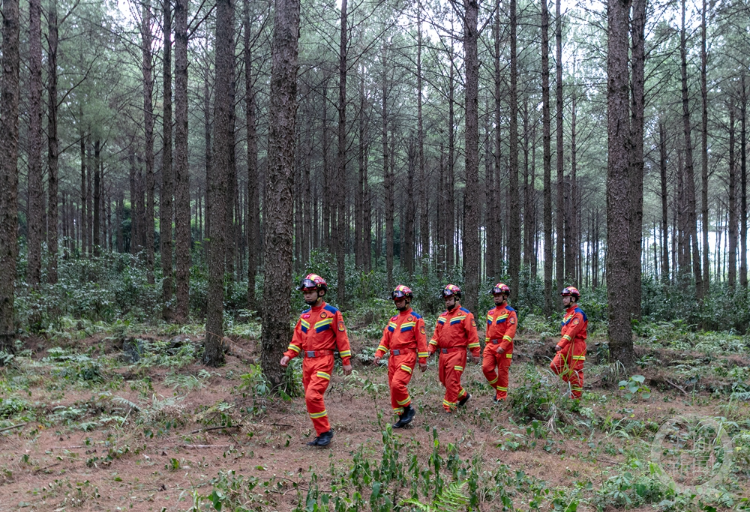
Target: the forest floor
pixel 125 418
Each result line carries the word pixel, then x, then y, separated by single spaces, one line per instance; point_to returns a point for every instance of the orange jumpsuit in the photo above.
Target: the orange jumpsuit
pixel 568 362
pixel 405 338
pixel 455 331
pixel 501 328
pixel 318 333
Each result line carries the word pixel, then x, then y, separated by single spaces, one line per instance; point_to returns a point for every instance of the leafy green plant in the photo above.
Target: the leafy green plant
pixel 451 499
pixel 634 387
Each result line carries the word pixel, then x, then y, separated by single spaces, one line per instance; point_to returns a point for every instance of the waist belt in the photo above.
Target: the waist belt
pixel 402 351
pixel 451 350
pixel 318 353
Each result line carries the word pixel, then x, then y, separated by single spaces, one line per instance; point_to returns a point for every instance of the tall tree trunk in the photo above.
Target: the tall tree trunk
pixel 743 185
pixel 732 269
pixel 471 198
pixel 424 215
pixel 638 61
pixel 450 205
pixel 209 164
pixel 573 248
pixel 704 150
pixel 514 212
pixel 280 180
pixel 495 242
pixel 221 161
pixel 561 206
pixel 408 242
pixel 84 197
pixel 342 228
pixel 181 169
pixel 148 125
pixel 618 184
pixel 9 170
pixel 252 162
pixel 36 189
pixel 52 143
pixel 547 163
pixel 692 222
pixel 387 177
pixel 664 202
pixel 165 198
pixel 97 230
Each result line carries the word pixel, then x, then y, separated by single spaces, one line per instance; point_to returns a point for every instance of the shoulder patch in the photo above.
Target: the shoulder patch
pixel 330 308
pixel 341 325
pixel 473 323
pixel 512 321
pixel 421 330
pixel 465 310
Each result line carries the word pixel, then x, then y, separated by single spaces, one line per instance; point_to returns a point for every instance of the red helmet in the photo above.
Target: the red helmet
pixel 500 288
pixel 571 291
pixel 312 282
pixel 452 289
pixel 402 291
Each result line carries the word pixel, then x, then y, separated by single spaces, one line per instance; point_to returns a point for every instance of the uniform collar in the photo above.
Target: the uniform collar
pixel 500 308
pixel 318 308
pixel 571 308
pixel 407 311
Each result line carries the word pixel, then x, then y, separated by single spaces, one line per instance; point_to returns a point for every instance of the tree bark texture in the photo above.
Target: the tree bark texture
pixel 36 189
pixel 9 96
pixel 252 162
pixel 704 150
pixel 342 228
pixel 52 141
pixel 732 265
pixel 165 197
pixel 471 199
pixel 561 206
pixel 547 163
pixel 279 185
pixel 692 221
pixel 638 61
pixel 181 169
pixel 618 184
pixel 148 126
pixel 514 211
pixel 221 161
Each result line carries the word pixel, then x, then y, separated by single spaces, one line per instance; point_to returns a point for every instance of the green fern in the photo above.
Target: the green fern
pixel 450 499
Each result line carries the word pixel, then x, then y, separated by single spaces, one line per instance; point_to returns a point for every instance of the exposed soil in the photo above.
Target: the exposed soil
pixel 161 464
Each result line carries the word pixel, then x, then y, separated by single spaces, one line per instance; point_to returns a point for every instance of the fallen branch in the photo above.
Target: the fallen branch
pixel 214 428
pixel 13 426
pixel 203 445
pixel 282 425
pixel 677 387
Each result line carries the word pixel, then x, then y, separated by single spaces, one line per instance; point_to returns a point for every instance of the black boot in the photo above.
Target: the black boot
pixel 325 438
pixel 408 415
pixel 464 400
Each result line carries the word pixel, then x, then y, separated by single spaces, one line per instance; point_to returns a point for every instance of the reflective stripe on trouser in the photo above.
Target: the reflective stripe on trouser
pixel 316 375
pixel 398 379
pixel 450 377
pixel 569 366
pixel 497 379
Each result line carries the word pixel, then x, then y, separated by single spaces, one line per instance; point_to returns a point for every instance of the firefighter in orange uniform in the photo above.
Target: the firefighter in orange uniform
pixel 404 337
pixel 319 332
pixel 455 332
pixel 502 322
pixel 571 349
